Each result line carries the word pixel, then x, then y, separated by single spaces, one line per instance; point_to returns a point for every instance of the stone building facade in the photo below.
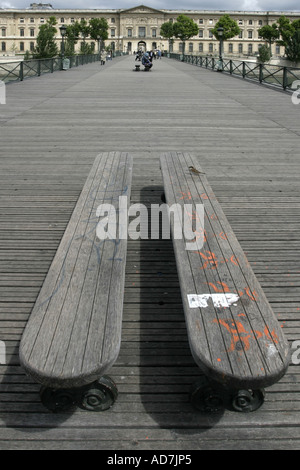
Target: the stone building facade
pixel 139 28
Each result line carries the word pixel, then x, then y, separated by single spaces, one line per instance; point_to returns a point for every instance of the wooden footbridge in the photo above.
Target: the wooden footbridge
pixel 246 139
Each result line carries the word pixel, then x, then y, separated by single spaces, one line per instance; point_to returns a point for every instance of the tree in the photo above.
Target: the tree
pixel 230 28
pixel 264 53
pixel 46 46
pixel 98 29
pixel 290 37
pixel 72 36
pixel 270 33
pixel 184 28
pixel 166 31
pixel 292 49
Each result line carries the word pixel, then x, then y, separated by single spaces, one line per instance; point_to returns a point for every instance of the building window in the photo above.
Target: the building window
pixel 113 20
pixel 31 46
pixel 3 46
pixel 22 20
pixel 180 47
pixel 22 32
pixel 241 34
pixel 129 33
pixel 260 22
pixel 201 21
pixel 62 20
pixel 112 33
pixel 230 48
pixel 200 33
pixel 142 32
pixel 31 20
pixel 250 22
pixel 240 22
pixel 22 48
pixel 240 48
pixel 200 47
pixel 210 34
pixel 154 33
pixel 191 47
pixel 72 20
pixel 211 47
pixel 250 34
pixel 3 32
pixel 277 50
pixel 210 21
pixel 250 48
pixel 32 32
pixel 42 20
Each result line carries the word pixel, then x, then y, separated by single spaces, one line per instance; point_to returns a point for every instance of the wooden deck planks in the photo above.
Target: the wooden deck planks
pixel 47 149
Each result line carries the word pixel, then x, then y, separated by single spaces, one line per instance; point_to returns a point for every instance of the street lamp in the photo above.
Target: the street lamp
pixel 220 35
pixel 63 30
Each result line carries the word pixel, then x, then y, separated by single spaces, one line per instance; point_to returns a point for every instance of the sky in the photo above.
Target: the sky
pixel 238 5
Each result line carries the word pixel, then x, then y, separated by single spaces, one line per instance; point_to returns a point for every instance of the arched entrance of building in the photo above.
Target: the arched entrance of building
pixel 142 46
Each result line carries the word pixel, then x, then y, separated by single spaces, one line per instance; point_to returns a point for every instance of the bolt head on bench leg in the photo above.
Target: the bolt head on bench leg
pixel 246 401
pixel 99 396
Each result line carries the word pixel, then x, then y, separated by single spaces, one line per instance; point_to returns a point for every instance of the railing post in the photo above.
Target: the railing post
pixel 284 79
pixel 230 66
pixel 261 75
pixel 21 72
pixel 39 68
pixel 52 65
pixel 244 69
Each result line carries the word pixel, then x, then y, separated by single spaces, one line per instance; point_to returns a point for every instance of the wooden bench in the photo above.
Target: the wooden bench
pixel 74 332
pixel 234 336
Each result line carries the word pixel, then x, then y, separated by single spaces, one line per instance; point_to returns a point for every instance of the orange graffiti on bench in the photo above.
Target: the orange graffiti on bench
pixel 239 334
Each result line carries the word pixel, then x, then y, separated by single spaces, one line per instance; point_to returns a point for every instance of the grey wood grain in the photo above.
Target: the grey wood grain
pixel 74 332
pixel 241 344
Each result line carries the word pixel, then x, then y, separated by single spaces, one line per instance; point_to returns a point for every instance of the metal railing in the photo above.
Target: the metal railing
pixel 276 75
pixel 20 70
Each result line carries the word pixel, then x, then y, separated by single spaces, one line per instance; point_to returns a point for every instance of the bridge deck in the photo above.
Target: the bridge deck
pixel 246 138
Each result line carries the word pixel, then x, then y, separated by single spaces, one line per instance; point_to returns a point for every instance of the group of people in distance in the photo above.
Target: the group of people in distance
pixel 147 57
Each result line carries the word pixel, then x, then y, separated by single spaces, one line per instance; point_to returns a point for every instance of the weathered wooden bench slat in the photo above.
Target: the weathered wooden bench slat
pixel 74 331
pixel 234 335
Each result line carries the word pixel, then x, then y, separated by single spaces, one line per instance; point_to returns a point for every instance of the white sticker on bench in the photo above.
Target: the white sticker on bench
pixel 219 300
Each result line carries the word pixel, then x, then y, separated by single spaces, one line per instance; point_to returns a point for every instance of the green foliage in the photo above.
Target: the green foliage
pixel 292 49
pixel 72 36
pixel 46 46
pixel 98 29
pixel 185 28
pixel 270 33
pixel 27 55
pixel 264 54
pixel 290 37
pixel 166 30
pixel 230 28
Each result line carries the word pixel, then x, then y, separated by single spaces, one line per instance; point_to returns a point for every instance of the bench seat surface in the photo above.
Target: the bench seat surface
pixel 234 335
pixel 74 331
